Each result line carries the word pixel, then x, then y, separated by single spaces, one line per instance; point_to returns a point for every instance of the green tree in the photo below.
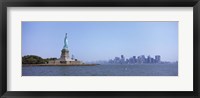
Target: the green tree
pixel 32 59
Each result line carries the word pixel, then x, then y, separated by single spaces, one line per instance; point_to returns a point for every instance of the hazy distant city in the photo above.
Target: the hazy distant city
pixel 134 60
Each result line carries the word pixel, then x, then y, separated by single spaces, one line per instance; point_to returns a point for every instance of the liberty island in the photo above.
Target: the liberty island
pixel 64 58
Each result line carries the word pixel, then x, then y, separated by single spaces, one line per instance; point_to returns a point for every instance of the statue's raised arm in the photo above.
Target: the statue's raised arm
pixel 65 42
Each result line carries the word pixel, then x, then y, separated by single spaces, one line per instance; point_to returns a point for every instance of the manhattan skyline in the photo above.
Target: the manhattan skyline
pixel 93 41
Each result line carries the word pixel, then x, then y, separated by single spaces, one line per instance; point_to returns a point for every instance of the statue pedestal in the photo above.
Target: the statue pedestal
pixel 64 55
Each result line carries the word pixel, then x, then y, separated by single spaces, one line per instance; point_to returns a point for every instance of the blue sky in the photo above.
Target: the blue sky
pixel 92 41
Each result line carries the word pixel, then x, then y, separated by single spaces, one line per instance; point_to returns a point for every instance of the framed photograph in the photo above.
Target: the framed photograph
pixel 100 48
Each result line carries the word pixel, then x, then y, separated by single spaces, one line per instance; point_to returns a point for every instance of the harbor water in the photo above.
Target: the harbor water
pixel 102 70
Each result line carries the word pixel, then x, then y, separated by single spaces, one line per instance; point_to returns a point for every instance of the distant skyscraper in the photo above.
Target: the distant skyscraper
pixel 143 59
pixel 134 59
pixel 157 58
pixel 152 60
pixel 116 60
pixel 122 59
pixel 122 56
pixel 139 59
pixel 149 59
pixel 130 61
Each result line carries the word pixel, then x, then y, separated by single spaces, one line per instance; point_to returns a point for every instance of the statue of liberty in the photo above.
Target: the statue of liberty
pixel 65 42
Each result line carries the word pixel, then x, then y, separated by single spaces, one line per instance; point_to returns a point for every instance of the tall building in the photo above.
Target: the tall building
pixel 134 59
pixel 139 59
pixel 122 56
pixel 130 61
pixel 143 59
pixel 117 60
pixel 157 58
pixel 149 59
pixel 152 60
pixel 127 61
pixel 122 59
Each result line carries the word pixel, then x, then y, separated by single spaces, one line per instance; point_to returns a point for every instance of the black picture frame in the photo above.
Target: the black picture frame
pixel 99 3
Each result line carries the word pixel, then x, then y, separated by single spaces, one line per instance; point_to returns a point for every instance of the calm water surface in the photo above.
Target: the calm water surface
pixel 103 70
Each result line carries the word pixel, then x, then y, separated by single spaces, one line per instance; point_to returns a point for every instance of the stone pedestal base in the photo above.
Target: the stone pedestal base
pixel 64 55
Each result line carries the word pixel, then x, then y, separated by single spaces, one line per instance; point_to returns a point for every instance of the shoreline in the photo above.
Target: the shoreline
pixel 59 64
